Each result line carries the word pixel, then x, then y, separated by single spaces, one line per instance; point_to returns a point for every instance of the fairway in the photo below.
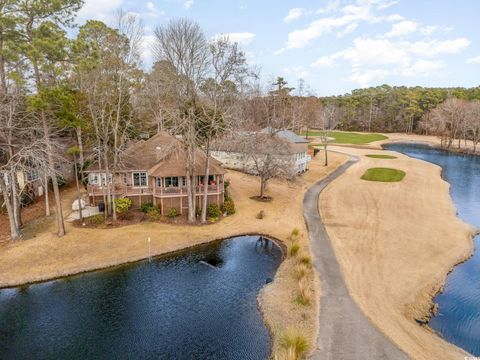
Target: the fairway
pixel 380 156
pixel 383 175
pixel 349 137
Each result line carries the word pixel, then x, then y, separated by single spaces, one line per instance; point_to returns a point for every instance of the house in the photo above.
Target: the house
pixel 284 145
pixel 153 171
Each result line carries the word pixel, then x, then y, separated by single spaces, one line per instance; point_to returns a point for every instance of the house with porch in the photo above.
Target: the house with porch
pixel 153 171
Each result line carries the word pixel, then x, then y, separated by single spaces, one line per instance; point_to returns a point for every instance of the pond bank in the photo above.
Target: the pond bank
pixel 395 243
pixel 46 256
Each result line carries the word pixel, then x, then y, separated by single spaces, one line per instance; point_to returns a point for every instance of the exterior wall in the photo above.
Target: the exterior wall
pixel 241 162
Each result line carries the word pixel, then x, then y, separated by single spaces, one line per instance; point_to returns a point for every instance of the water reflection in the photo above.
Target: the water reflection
pixel 170 308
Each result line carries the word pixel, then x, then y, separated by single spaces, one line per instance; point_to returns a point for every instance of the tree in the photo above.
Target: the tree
pixel 43 43
pixel 74 151
pixel 328 123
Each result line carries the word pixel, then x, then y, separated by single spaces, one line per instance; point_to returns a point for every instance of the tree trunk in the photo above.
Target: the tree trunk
pixel 47 202
pixel 80 146
pixel 16 202
pixel 79 195
pixel 3 78
pixel 262 187
pixel 205 185
pixel 191 211
pixel 14 230
pixel 326 152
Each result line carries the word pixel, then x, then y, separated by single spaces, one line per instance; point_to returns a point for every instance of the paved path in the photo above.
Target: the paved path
pixel 345 332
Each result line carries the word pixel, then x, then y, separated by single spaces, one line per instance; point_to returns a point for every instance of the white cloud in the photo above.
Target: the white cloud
pixel 348 30
pixel 146 52
pixel 294 14
pixel 402 28
pixel 437 47
pixel 366 77
pixel 99 10
pixel 368 52
pixel 360 11
pixel 332 5
pixel 242 38
pixel 153 11
pixel 474 60
pixel 187 4
pixel 423 68
pixel 325 61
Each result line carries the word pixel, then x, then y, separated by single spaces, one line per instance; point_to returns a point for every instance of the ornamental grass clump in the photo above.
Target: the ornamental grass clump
pixel 301 271
pixel 305 260
pixel 303 292
pixel 294 248
pixel 295 345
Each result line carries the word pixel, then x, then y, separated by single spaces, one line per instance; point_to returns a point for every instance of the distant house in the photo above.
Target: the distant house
pixel 284 144
pixel 153 171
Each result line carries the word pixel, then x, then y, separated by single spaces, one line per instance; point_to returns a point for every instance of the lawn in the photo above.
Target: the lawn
pixel 381 156
pixel 349 137
pixel 383 175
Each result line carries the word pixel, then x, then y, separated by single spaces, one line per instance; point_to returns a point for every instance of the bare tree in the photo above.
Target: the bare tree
pixel 328 123
pixel 448 120
pixel 182 44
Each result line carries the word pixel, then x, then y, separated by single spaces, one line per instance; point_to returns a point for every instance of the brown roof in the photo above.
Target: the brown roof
pixel 262 143
pixel 163 155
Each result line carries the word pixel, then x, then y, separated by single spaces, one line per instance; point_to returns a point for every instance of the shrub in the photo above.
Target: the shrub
pixel 306 260
pixel 213 211
pixel 172 213
pixel 95 219
pixel 122 205
pixel 295 232
pixel 294 343
pixel 301 271
pixel 294 248
pixel 260 215
pixel 153 214
pixel 303 297
pixel 228 207
pixel 147 207
pixel 226 184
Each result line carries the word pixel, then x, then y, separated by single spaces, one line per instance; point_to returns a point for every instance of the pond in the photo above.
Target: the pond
pixel 200 304
pixel 458 317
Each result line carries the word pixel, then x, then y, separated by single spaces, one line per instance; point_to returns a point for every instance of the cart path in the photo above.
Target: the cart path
pixel 345 332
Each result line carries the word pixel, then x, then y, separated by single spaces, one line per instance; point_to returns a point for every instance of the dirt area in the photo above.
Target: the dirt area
pixel 83 249
pixel 395 243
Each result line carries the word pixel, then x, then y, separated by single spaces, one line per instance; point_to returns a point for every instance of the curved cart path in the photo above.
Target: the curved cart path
pixel 345 332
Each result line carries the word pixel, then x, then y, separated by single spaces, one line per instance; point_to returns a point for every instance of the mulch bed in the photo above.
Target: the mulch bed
pixel 262 198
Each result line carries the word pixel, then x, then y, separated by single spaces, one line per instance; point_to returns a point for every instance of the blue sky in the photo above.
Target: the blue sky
pixel 334 45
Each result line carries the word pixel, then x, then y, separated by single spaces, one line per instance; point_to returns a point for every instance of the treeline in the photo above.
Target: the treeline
pixel 393 109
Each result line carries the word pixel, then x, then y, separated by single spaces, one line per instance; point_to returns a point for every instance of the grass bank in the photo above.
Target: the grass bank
pixel 342 137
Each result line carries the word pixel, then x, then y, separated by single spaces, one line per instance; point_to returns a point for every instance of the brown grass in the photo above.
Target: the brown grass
pixel 83 249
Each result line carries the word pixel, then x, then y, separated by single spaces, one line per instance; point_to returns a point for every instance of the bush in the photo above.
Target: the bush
pixel 95 219
pixel 226 184
pixel 301 271
pixel 153 214
pixel 261 215
pixel 122 205
pixel 147 207
pixel 303 297
pixel 213 211
pixel 294 344
pixel 294 248
pixel 172 213
pixel 228 207
pixel 306 260
pixel 295 232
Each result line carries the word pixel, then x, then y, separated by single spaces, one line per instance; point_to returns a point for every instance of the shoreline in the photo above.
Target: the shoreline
pixel 422 300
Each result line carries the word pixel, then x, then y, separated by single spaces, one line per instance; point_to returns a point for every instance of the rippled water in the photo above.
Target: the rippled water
pixel 458 319
pixel 171 308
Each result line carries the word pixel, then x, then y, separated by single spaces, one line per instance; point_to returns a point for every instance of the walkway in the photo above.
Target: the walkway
pixel 345 332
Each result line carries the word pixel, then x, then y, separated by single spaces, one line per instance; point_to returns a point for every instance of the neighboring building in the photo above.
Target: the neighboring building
pixel 154 171
pixel 286 145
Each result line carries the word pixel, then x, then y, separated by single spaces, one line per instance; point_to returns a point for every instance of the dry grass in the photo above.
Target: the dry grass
pixel 83 249
pixel 396 247
pixel 304 296
pixel 294 345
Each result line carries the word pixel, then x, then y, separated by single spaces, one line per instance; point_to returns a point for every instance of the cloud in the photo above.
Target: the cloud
pixel 242 38
pixel 366 77
pixel 146 52
pixel 298 72
pixel 437 47
pixel 348 30
pixel 474 60
pixel 324 61
pixel 187 4
pixel 153 11
pixel 332 6
pixel 360 11
pixel 423 68
pixel 99 10
pixel 294 14
pixel 402 28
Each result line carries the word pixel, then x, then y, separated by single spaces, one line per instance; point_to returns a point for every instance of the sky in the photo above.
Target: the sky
pixel 335 46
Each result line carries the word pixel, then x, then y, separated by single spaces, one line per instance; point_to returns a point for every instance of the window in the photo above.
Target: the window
pixel 159 182
pixel 140 179
pixel 171 181
pixel 93 179
pixel 32 175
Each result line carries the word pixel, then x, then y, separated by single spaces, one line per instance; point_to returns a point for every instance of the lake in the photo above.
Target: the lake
pixel 199 304
pixel 458 317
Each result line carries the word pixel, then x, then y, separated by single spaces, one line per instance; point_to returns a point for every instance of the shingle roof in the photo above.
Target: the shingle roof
pixel 286 134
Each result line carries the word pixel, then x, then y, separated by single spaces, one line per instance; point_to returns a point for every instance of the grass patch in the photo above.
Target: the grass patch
pixel 381 156
pixel 383 175
pixel 294 344
pixel 349 137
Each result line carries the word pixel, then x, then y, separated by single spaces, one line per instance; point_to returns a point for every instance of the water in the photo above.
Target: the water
pixel 458 319
pixel 171 308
